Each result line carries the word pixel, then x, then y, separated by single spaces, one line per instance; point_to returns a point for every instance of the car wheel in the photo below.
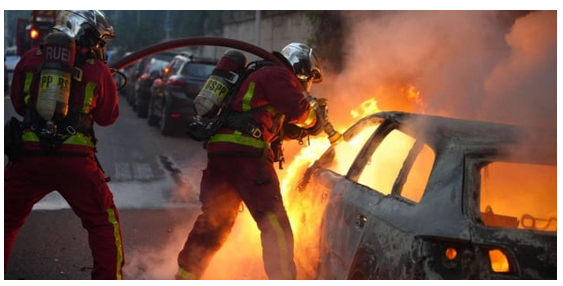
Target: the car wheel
pixel 165 122
pixel 152 119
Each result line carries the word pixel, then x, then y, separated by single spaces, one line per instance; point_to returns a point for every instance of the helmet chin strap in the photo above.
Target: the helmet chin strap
pixel 307 84
pixel 100 53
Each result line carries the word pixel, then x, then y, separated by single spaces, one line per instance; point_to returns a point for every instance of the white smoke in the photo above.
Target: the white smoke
pixel 496 66
pixel 485 65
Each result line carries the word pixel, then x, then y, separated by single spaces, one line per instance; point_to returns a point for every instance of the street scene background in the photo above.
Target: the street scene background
pixel 498 66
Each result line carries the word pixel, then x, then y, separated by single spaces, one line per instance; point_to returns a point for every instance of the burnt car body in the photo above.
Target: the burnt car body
pixel 172 95
pixel 428 197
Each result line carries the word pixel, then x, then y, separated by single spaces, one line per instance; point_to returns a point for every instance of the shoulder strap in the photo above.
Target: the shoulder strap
pixel 250 68
pixel 75 119
pixel 225 113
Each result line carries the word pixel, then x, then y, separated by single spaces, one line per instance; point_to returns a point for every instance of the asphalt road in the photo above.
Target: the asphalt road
pixel 52 245
pixel 155 181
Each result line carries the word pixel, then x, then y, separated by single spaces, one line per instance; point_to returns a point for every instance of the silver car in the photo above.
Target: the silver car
pixel 11 58
pixel 409 196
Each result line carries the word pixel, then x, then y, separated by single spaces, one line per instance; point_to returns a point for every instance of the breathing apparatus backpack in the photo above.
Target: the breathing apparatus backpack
pixel 213 101
pixel 51 118
pixel 55 78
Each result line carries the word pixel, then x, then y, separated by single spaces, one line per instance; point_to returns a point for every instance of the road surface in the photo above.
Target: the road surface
pixel 155 181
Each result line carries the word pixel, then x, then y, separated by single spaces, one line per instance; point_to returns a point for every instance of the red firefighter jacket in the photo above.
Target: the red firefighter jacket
pixel 271 91
pixel 97 88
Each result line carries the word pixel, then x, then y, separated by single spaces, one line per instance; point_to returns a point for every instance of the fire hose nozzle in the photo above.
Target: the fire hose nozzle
pixel 333 135
pixel 320 106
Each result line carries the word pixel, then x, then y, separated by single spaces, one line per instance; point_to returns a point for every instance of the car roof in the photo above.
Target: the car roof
pixel 529 143
pixel 10 51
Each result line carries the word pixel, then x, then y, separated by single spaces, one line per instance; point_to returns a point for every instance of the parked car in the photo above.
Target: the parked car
pixel 6 79
pixel 11 58
pixel 172 95
pixel 147 71
pixel 128 73
pixel 132 72
pixel 410 196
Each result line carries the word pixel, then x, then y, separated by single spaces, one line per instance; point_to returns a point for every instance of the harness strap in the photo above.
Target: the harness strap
pixel 232 154
pixel 77 127
pixel 238 138
pixel 57 154
pixel 75 139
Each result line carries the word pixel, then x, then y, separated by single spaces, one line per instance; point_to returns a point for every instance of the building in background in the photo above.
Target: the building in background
pixel 270 31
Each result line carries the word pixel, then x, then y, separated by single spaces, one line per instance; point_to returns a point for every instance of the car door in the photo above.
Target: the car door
pixel 368 220
pixel 343 224
pixel 515 227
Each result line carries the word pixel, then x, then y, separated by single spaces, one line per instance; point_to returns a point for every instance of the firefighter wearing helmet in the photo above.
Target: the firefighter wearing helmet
pixel 61 89
pixel 240 167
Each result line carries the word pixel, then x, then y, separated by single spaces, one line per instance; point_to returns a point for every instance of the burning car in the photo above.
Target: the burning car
pixel 429 197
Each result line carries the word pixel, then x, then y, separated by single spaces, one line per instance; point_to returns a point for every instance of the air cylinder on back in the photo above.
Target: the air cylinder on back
pixel 220 83
pixel 56 76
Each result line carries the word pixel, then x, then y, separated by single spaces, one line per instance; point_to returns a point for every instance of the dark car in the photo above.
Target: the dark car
pixel 6 79
pixel 410 196
pixel 11 59
pixel 150 68
pixel 128 72
pixel 171 103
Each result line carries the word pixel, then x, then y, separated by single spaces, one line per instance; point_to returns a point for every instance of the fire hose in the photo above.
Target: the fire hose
pixel 333 135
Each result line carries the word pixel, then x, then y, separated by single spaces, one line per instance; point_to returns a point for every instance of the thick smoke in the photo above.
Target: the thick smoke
pixel 483 65
pixel 496 66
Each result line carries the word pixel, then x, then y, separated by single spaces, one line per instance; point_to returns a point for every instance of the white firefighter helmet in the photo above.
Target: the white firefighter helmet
pixel 304 63
pixel 89 28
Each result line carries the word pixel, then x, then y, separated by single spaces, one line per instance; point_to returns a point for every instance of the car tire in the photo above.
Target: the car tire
pixel 166 127
pixel 152 119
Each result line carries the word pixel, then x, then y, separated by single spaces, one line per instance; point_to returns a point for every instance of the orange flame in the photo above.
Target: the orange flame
pixel 303 207
pixel 367 107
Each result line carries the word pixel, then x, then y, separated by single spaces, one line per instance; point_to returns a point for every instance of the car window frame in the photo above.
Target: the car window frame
pixel 373 142
pixel 472 186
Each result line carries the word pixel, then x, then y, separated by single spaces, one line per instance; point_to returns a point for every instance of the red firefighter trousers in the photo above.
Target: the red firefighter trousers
pixel 82 184
pixel 226 183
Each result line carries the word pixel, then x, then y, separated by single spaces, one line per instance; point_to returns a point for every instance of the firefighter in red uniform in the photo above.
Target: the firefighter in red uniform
pixel 240 165
pixel 65 161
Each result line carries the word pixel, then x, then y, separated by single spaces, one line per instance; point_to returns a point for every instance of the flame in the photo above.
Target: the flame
pixel 411 93
pixel 305 206
pixel 367 107
pixel 304 211
pixel 531 189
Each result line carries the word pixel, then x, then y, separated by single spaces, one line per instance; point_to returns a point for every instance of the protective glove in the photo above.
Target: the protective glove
pixel 321 110
pixel 293 132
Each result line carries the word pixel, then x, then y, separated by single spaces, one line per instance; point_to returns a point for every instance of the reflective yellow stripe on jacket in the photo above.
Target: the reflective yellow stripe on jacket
pixel 310 119
pixel 27 87
pixel 76 139
pixel 238 138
